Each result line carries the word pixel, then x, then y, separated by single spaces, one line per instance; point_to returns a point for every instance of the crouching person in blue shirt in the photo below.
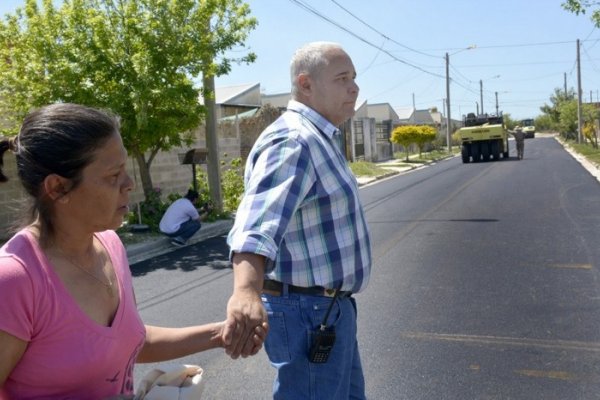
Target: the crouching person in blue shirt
pixel 181 220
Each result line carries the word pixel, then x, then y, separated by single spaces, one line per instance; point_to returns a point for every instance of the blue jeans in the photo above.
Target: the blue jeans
pixel 293 319
pixel 186 230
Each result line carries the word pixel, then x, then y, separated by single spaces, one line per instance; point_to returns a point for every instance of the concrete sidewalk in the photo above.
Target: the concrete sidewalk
pixel 395 168
pixel 162 244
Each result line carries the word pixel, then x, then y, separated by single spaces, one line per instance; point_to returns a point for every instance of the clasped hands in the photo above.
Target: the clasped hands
pixel 246 326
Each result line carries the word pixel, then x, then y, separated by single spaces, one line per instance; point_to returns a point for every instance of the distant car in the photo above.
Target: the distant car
pixel 528 128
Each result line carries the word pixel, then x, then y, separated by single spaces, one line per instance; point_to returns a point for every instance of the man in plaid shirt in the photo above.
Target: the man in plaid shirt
pixel 300 236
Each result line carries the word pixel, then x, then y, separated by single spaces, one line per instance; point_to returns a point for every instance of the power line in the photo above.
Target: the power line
pixel 459 78
pixel 381 34
pixel 318 14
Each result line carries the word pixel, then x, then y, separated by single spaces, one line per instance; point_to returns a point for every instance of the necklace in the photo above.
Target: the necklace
pixel 108 286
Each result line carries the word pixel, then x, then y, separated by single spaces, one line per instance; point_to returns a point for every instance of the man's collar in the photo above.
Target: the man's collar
pixel 314 117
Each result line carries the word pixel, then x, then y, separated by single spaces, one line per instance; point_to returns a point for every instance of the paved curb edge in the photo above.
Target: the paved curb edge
pixel 592 168
pixel 142 251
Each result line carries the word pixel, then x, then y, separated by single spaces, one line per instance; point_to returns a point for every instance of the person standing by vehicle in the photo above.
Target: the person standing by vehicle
pixel 300 236
pixel 69 325
pixel 181 220
pixel 519 136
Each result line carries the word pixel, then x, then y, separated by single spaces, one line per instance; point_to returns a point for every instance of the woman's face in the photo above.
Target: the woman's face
pixel 101 199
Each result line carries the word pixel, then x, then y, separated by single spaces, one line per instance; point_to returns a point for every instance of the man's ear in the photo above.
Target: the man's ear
pixel 304 84
pixel 57 187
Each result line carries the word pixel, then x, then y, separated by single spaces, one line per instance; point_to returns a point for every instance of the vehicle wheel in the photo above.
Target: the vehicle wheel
pixel 496 150
pixel 475 152
pixel 464 152
pixel 485 151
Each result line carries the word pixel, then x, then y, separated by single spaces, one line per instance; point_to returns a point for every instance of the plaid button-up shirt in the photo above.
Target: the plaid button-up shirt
pixel 301 208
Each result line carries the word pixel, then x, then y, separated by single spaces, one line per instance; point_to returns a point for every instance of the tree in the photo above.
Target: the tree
pixel 509 123
pixel 581 6
pixel 413 134
pixel 590 115
pixel 557 99
pixel 567 124
pixel 426 134
pixel 544 123
pixel 137 58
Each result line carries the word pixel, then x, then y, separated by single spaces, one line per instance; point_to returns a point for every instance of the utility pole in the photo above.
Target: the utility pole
pixel 578 95
pixel 413 97
pixel 481 94
pixel 565 83
pixel 212 142
pixel 496 93
pixel 448 119
pixel 213 167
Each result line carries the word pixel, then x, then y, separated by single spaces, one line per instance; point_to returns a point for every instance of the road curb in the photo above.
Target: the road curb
pixel 593 169
pixel 142 251
pixel 363 181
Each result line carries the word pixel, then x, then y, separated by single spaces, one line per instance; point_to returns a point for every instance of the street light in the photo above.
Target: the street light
pixel 448 118
pixel 481 89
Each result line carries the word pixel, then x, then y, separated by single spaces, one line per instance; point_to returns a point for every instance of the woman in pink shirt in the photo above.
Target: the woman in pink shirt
pixel 69 327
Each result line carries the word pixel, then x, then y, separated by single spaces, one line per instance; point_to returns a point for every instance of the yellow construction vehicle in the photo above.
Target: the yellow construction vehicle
pixel 528 127
pixel 483 137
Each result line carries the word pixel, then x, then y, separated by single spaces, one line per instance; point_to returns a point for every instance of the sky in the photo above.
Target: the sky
pixel 516 51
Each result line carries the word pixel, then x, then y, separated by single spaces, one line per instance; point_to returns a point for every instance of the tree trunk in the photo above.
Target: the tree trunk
pixel 212 142
pixel 144 173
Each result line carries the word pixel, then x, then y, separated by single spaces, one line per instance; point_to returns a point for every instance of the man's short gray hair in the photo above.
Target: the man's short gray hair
pixel 310 59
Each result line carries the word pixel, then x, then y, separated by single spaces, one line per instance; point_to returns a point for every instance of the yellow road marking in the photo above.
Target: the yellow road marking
pixel 572 266
pixel 562 375
pixel 506 341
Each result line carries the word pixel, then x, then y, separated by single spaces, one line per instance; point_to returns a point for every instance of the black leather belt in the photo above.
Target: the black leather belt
pixel 275 288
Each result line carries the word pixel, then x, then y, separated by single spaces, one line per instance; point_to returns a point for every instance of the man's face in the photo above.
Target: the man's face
pixel 334 90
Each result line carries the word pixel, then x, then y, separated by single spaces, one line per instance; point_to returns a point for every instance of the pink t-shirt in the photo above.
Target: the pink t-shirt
pixel 68 356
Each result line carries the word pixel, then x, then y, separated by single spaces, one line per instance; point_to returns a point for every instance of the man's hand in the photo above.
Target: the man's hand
pixel 246 326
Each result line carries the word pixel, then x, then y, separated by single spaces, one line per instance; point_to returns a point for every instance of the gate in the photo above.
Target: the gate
pixel 359 141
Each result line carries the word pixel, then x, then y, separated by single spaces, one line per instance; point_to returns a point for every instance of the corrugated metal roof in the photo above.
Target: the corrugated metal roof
pixel 228 94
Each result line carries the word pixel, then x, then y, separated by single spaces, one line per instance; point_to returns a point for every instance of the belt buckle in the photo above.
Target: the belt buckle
pixel 329 292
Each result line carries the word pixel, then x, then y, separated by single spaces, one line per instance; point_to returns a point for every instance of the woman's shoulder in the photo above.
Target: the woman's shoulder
pixel 109 235
pixel 20 244
pixel 111 240
pixel 16 260
pixel 113 244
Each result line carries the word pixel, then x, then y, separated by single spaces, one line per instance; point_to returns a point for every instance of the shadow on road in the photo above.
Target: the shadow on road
pixel 212 252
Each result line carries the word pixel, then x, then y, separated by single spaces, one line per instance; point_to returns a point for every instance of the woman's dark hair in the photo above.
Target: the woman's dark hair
pixel 56 139
pixel 5 144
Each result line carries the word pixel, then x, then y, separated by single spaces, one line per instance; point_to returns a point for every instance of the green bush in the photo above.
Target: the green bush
pixel 232 190
pixel 232 184
pixel 151 210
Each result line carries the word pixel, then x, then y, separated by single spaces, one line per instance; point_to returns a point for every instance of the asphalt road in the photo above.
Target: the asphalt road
pixel 485 285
